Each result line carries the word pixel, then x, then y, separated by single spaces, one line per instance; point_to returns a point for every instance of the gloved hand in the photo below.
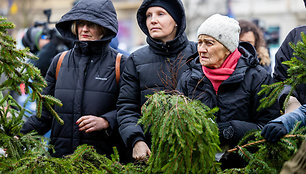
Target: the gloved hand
pixel 274 131
pixel 232 132
pixel 226 132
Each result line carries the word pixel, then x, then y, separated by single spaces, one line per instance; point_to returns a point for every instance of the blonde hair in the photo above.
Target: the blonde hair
pixel 263 54
pixel 74 28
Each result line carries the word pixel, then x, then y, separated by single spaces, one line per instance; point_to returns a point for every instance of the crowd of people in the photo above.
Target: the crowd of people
pixel 225 68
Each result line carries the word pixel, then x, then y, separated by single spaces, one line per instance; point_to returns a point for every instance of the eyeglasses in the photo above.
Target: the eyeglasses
pixel 82 23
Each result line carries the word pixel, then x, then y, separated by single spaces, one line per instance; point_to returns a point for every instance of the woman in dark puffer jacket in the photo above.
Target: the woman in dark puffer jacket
pixel 86 82
pixel 152 68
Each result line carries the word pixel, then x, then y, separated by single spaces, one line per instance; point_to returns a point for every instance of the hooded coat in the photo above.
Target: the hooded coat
pixel 151 68
pixel 85 84
pixel 236 98
pixel 285 53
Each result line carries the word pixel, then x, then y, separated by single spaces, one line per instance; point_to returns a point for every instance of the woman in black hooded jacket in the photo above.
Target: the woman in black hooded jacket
pixel 86 82
pixel 152 68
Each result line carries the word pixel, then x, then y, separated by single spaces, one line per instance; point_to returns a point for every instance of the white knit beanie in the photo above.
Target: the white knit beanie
pixel 224 29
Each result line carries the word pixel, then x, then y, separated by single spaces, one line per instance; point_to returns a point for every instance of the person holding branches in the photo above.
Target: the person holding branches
pixel 226 74
pixel 152 68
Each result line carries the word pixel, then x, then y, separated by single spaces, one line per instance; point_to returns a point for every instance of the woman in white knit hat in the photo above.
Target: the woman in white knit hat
pixel 227 75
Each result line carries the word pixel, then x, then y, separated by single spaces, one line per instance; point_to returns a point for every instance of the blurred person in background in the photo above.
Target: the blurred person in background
pixel 253 34
pixel 154 67
pixel 45 46
pixel 226 74
pixel 115 43
pixel 86 83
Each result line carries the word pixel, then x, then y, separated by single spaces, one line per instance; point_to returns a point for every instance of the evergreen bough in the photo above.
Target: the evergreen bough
pixel 14 67
pixel 296 73
pixel 184 135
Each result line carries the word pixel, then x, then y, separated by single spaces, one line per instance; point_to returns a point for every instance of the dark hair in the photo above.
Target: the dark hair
pixel 247 26
pixel 260 43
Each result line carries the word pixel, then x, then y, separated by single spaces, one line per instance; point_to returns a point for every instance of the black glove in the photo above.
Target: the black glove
pixel 226 133
pixel 274 131
pixel 232 132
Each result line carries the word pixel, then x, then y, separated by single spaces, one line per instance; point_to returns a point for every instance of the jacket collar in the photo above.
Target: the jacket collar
pixel 91 47
pixel 168 48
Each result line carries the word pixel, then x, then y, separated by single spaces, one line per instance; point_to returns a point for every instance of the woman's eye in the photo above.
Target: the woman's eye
pixel 209 43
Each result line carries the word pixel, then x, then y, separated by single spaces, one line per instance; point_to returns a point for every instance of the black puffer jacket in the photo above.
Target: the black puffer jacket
pixel 237 97
pixel 85 84
pixel 152 68
pixel 285 53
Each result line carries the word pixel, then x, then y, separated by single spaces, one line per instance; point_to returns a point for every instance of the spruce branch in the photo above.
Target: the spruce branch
pixel 296 75
pixel 184 137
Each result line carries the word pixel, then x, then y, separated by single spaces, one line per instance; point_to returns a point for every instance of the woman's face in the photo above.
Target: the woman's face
pixel 211 52
pixel 160 24
pixel 88 31
pixel 248 37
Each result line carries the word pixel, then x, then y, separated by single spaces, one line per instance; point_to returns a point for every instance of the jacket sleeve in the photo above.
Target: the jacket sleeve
pixel 290 119
pixel 111 117
pixel 263 116
pixel 128 105
pixel 232 132
pixel 43 124
pixel 284 53
pixel 182 83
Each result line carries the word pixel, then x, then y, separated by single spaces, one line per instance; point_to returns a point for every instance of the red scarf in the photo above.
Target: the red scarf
pixel 217 76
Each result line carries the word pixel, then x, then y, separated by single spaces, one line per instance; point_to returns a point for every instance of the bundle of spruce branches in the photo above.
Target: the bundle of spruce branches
pixel 184 135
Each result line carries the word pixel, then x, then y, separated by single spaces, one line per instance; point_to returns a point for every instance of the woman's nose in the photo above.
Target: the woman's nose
pixel 153 19
pixel 202 48
pixel 85 27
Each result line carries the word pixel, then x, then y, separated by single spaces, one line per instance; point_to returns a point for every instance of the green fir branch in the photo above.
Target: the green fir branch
pixel 296 73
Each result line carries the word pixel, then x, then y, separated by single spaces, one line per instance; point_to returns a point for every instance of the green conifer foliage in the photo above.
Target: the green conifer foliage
pixel 184 135
pixel 13 66
pixel 296 73
pixel 16 71
pixel 84 160
pixel 267 157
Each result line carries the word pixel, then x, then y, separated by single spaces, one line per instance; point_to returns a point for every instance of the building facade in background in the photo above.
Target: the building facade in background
pixel 276 17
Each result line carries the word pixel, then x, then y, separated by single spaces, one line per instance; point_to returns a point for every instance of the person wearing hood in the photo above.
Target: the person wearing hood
pixel 227 75
pixel 86 82
pixel 152 68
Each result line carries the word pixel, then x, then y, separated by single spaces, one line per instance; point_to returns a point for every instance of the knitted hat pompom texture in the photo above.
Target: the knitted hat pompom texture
pixel 222 28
